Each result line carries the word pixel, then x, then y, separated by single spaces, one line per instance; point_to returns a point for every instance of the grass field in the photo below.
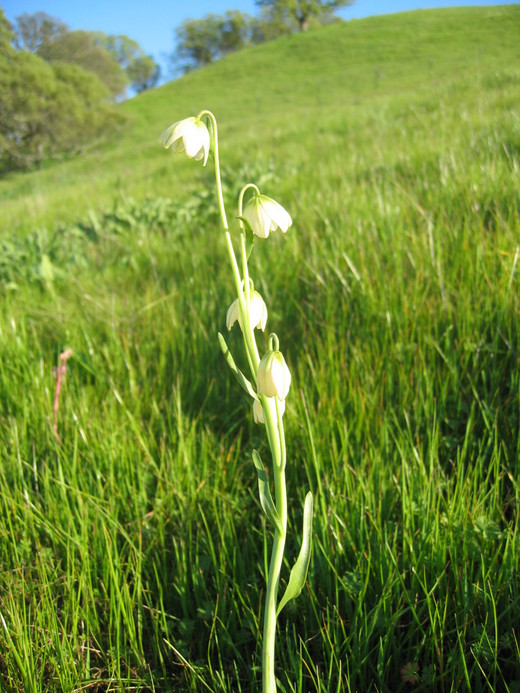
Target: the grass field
pixel 132 547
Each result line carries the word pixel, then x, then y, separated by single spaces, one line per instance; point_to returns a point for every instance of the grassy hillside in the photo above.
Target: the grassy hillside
pixel 132 545
pixel 345 77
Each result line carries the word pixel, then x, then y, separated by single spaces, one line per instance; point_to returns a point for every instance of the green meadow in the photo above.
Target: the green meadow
pixel 133 549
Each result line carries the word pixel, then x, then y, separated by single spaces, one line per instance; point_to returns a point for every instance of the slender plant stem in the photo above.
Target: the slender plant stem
pixel 273 424
pixel 251 348
pixel 273 580
pixel 243 238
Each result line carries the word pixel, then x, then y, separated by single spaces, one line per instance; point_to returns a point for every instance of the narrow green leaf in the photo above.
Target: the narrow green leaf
pixel 266 500
pixel 299 572
pixel 250 241
pixel 244 382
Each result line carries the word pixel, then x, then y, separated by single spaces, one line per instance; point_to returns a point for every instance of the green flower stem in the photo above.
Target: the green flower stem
pixel 281 436
pixel 243 235
pixel 273 424
pixel 214 130
pixel 275 566
pixel 245 269
pixel 248 186
pixel 273 433
pixel 222 207
pixel 251 348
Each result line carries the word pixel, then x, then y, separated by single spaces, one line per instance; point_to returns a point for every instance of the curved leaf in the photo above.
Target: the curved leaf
pixel 244 382
pixel 299 572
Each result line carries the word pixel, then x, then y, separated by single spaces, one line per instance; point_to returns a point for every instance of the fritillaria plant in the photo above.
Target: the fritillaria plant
pixel 269 378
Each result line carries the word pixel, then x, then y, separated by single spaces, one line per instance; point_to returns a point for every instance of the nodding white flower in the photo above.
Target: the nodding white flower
pixel 190 135
pixel 258 410
pixel 265 215
pixel 257 312
pixel 274 378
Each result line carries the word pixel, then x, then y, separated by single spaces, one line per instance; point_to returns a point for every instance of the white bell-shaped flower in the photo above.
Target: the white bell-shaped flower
pixel 257 312
pixel 190 135
pixel 266 215
pixel 274 378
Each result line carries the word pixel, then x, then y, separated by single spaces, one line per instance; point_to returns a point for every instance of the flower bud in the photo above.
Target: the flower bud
pixel 257 312
pixel 265 215
pixel 190 135
pixel 274 378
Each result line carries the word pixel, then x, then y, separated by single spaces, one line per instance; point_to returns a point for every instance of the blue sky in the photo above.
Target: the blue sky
pixel 152 23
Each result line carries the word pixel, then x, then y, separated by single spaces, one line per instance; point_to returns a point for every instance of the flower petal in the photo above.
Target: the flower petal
pixel 190 135
pixel 258 412
pixel 257 311
pixel 167 136
pixel 280 218
pixel 233 314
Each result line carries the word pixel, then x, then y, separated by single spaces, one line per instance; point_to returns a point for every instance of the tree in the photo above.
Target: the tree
pixel 7 37
pixel 141 70
pixel 55 89
pixel 124 49
pixel 35 30
pixel 117 60
pixel 235 31
pixel 48 110
pixel 81 48
pixel 302 11
pixel 143 73
pixel 197 41
pixel 270 24
pixel 202 41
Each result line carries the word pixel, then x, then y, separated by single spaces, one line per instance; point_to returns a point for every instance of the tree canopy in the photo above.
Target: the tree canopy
pixel 47 110
pixel 36 30
pixel 302 11
pixel 143 73
pixel 81 48
pixel 201 41
pixel 57 87
pixel 118 61
pixel 141 70
pixel 7 36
